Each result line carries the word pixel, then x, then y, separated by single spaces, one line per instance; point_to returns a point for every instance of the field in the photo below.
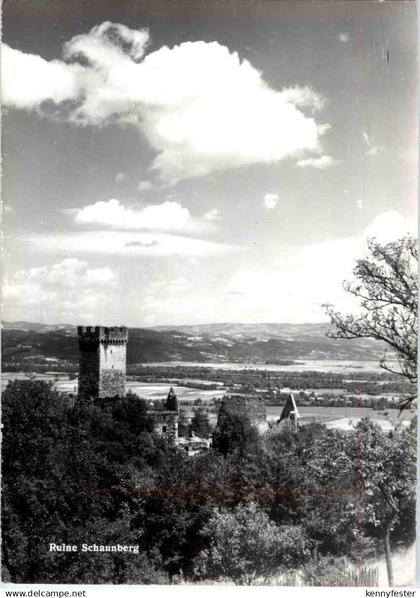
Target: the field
pixel 332 416
pixel 315 365
pixel 345 417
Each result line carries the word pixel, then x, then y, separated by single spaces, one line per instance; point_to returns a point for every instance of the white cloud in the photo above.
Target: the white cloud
pixel 366 137
pixel 308 278
pixel 107 43
pixel 65 291
pixel 270 200
pixel 120 177
pixel 28 80
pixel 390 226
pixel 291 287
pixel 144 186
pixel 343 37
pixel 169 215
pixel 304 281
pixel 305 97
pixel 212 215
pixel 200 107
pixel 322 163
pixel 374 150
pixel 100 275
pixel 359 204
pixel 125 243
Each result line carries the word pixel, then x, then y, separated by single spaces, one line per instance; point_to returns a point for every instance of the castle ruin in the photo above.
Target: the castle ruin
pixel 250 406
pixel 102 361
pixel 102 375
pixel 166 420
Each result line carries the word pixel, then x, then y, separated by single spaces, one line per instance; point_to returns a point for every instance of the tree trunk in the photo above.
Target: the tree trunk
pixel 10 568
pixel 388 558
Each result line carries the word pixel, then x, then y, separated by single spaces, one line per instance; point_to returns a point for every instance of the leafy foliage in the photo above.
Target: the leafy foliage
pixel 234 432
pixel 246 545
pixel 252 508
pixel 200 423
pixel 66 479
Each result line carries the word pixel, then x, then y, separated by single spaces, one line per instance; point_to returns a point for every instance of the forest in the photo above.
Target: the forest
pixel 254 509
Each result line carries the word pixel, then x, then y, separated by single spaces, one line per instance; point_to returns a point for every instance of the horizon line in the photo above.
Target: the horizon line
pixel 223 323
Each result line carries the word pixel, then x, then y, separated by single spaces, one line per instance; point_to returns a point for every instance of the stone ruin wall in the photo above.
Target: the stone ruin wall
pixel 166 425
pixel 253 407
pixel 112 374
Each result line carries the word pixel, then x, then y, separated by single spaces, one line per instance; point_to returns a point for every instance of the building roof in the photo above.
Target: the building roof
pixel 290 409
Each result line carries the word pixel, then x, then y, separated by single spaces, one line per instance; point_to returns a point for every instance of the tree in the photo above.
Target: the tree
pixel 387 288
pixel 68 476
pixel 183 425
pixel 373 476
pixel 386 476
pixel 234 431
pixel 245 545
pixel 200 423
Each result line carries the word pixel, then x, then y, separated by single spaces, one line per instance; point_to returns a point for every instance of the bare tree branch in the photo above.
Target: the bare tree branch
pixel 387 286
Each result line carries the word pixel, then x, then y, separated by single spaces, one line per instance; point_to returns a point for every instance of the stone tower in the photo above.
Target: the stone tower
pixel 102 361
pixel 166 420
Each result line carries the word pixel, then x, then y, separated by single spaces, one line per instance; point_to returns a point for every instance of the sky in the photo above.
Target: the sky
pixel 187 162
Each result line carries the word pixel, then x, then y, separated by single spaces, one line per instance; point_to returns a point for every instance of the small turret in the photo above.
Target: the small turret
pixel 171 401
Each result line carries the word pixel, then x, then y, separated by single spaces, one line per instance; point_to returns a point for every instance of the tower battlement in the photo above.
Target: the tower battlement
pixel 102 334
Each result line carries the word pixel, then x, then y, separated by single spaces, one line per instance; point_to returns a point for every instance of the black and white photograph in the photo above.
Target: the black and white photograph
pixel 209 293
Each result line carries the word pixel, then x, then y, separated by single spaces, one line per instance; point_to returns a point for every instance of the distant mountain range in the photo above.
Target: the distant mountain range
pixel 242 343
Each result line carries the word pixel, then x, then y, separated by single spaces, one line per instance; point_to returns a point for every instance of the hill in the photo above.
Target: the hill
pixel 241 343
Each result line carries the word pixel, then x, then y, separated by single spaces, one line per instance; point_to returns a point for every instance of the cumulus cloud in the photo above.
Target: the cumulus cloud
pixel 68 290
pixel 270 200
pixel 200 107
pixel 305 97
pixel 321 163
pixel 343 37
pixel 27 80
pixel 107 43
pixel 169 215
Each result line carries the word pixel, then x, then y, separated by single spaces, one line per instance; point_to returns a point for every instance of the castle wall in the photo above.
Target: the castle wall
pixel 253 407
pixel 88 371
pixel 166 425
